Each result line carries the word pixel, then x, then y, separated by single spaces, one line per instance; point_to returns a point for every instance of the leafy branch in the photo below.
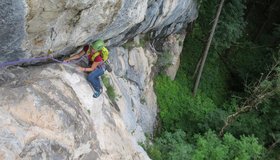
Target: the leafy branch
pixel 260 91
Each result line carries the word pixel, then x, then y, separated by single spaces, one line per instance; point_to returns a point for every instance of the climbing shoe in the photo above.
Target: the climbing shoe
pixel 96 94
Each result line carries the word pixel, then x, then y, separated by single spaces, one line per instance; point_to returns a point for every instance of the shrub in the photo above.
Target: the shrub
pixel 171 146
pixel 178 108
pixel 164 60
pixel 110 89
pixel 210 146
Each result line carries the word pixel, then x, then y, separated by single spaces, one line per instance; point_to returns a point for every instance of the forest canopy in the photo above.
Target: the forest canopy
pixel 235 113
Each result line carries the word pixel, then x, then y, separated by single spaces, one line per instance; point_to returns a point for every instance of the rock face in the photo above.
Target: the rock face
pixel 133 81
pixel 31 27
pixel 173 46
pixel 48 112
pixel 12 29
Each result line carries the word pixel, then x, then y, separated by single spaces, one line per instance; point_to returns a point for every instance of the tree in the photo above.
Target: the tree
pixel 170 146
pixel 206 49
pixel 210 146
pixel 263 89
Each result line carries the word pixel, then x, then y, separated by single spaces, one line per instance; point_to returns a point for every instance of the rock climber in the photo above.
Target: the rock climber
pixel 96 53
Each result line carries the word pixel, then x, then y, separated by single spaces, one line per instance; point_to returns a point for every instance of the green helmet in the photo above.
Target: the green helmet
pixel 98 45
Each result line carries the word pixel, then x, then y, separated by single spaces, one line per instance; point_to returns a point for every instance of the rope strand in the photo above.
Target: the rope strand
pixel 20 61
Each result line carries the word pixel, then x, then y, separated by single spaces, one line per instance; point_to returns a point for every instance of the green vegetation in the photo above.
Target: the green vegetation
pixel 178 109
pixel 164 60
pixel 235 114
pixel 129 45
pixel 110 89
pixel 143 40
pixel 173 146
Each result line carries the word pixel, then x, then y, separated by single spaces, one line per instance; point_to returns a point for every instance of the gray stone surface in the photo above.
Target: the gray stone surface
pixel 31 28
pixel 174 46
pixel 48 112
pixel 12 29
pixel 133 80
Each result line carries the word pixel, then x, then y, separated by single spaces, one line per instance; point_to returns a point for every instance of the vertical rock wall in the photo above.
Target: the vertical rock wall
pixel 30 28
pixel 12 29
pixel 48 112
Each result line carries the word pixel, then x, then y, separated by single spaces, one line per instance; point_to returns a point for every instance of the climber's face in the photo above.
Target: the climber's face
pixel 92 50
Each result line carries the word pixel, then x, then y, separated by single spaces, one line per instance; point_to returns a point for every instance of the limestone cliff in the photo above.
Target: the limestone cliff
pixel 31 27
pixel 48 112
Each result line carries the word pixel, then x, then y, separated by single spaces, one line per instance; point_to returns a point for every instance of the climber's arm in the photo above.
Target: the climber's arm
pixel 76 56
pixel 93 67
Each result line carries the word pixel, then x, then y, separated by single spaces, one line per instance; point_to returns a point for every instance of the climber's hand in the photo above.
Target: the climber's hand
pixel 66 60
pixel 80 68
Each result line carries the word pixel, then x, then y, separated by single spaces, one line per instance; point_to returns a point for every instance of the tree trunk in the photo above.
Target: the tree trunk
pixel 205 52
pixel 197 67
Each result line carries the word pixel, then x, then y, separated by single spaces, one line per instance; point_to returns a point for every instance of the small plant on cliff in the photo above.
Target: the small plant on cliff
pixel 164 60
pixel 143 40
pixel 110 89
pixel 129 45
